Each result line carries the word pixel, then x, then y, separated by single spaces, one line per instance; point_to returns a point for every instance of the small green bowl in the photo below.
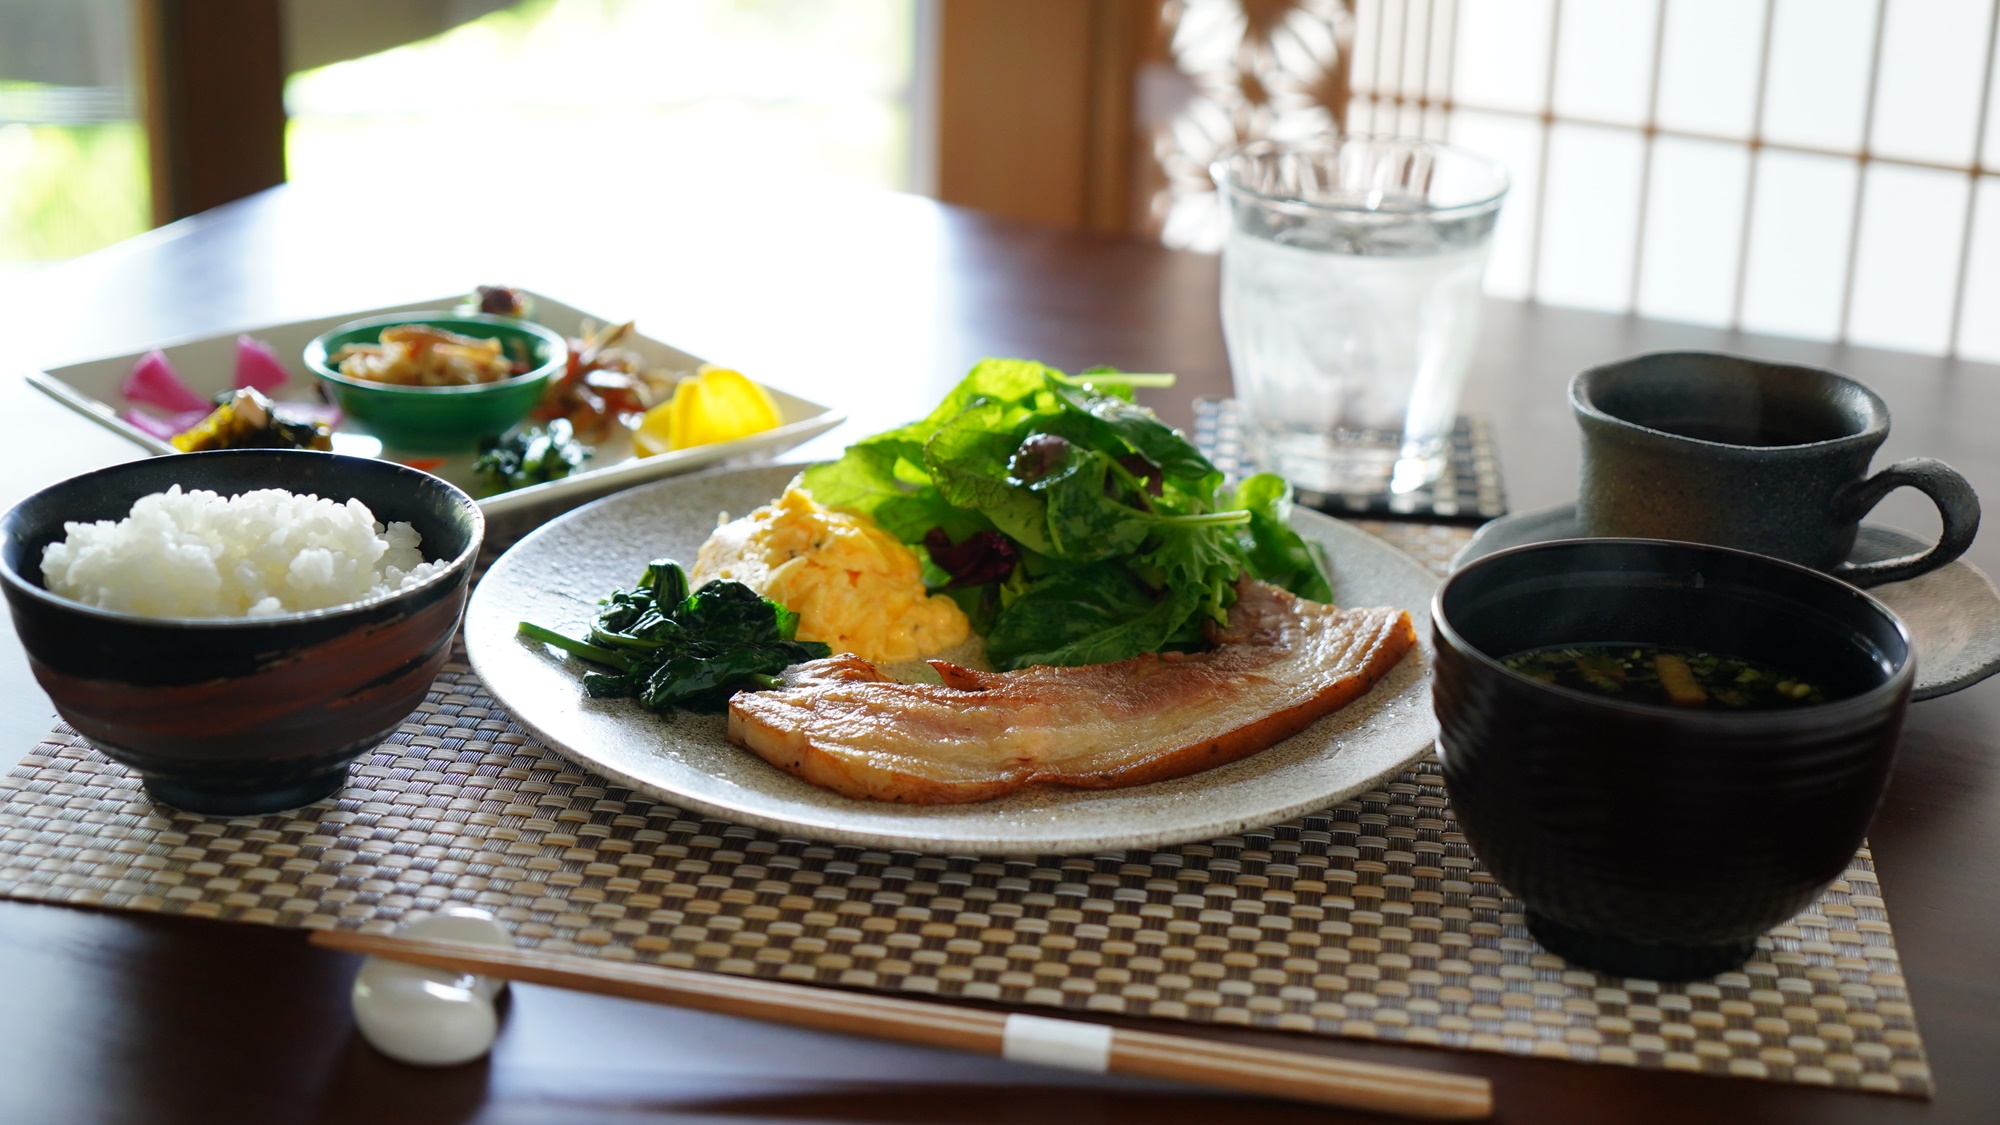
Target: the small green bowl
pixel 438 419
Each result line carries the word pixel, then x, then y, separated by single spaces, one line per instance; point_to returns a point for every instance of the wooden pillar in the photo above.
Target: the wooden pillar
pixel 214 78
pixel 1035 107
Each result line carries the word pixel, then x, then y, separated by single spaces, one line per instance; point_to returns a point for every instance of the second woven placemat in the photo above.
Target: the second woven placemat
pixel 1370 919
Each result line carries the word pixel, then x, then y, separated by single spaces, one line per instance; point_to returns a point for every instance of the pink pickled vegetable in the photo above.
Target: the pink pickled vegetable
pixel 154 383
pixel 165 428
pixel 257 366
pixel 312 412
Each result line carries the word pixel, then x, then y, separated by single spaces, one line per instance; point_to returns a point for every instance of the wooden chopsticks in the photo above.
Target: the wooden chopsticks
pixel 1074 1044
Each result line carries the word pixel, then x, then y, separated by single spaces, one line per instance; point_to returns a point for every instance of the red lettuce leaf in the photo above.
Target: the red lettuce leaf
pixel 985 556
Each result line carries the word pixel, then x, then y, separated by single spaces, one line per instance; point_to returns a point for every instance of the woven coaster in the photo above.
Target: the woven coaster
pixel 1468 491
pixel 1371 919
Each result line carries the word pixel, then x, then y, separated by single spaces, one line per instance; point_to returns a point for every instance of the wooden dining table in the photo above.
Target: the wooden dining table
pixel 877 303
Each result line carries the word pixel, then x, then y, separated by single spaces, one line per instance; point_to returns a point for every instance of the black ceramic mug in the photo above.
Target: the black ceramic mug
pixel 1763 457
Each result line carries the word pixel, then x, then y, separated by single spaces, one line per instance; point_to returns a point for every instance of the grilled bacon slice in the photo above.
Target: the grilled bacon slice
pixel 1281 663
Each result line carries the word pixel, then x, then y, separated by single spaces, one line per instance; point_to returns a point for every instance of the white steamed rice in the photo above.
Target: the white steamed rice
pixel 198 554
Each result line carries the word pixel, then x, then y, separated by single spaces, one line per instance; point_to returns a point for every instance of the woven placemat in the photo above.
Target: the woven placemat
pixel 1371 919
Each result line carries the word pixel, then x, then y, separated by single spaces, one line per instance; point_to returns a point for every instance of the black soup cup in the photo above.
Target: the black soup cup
pixel 1647 840
pixel 242 716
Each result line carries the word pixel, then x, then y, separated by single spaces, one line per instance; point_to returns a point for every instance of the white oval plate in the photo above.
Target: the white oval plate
pixel 555 576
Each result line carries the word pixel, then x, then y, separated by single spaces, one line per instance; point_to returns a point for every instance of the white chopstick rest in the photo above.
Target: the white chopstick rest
pixel 431 1017
pixel 1069 1044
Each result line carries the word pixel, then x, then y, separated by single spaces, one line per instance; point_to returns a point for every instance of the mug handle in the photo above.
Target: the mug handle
pixel 1957 505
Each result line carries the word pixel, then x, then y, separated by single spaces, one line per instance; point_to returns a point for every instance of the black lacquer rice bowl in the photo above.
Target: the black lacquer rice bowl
pixel 252 715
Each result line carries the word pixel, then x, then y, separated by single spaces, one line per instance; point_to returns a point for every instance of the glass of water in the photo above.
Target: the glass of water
pixel 1351 273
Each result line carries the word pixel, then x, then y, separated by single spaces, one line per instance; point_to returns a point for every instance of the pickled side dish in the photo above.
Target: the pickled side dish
pixel 1674 677
pixel 424 355
pixel 248 420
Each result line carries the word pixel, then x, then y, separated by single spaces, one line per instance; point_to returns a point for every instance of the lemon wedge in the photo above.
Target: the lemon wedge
pixel 714 404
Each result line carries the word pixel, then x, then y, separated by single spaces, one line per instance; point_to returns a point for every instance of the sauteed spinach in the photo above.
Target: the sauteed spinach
pixel 529 455
pixel 672 648
pixel 1072 525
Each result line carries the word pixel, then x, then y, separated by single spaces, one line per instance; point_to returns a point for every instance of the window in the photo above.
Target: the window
pixel 1817 168
pixel 72 149
pixel 770 90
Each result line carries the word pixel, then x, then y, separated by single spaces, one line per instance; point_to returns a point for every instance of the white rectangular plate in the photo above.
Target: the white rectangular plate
pixel 208 364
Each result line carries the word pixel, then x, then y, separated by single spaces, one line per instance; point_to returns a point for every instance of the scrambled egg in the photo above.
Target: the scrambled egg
pixel 851 583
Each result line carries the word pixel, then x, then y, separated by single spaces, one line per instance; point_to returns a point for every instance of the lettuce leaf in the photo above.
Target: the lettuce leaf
pixel 1273 551
pixel 1089 615
pixel 1127 543
pixel 1143 433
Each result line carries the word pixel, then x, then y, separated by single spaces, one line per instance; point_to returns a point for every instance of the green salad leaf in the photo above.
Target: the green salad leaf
pixel 1275 551
pixel 1120 536
pixel 1091 615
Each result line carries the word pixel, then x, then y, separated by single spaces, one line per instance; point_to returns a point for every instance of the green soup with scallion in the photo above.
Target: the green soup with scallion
pixel 1671 676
